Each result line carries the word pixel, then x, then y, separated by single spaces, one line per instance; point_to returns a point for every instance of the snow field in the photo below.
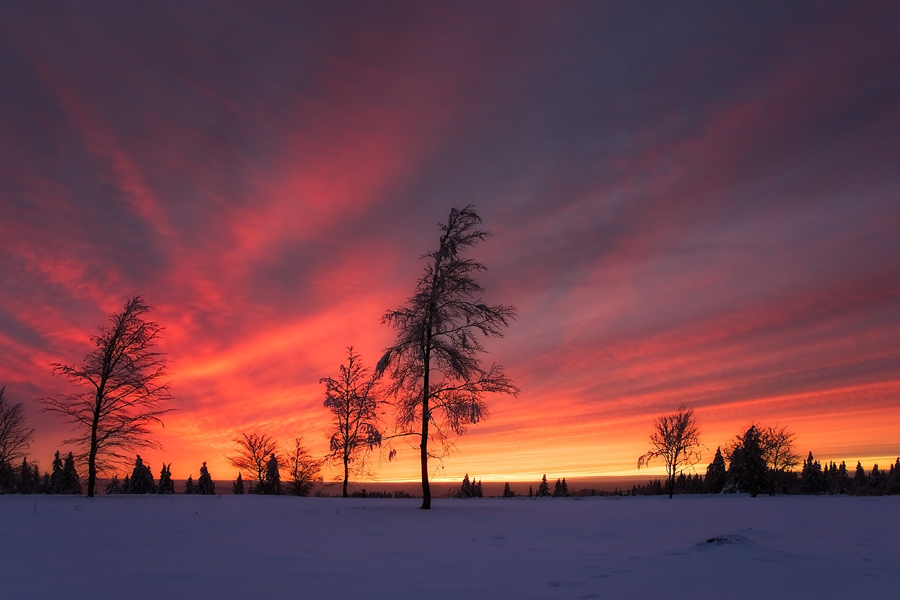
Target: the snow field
pixel 286 547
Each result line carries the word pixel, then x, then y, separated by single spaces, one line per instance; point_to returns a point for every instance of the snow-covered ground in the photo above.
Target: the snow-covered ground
pixel 284 547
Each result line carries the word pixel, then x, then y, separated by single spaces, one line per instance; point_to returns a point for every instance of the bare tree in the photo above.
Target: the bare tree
pixel 15 437
pixel 675 439
pixel 438 381
pixel 778 449
pixel 253 454
pixel 354 403
pixel 303 469
pixel 126 390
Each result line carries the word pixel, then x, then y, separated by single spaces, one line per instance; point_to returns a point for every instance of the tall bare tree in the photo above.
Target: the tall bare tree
pixel 254 452
pixel 353 401
pixel 438 380
pixel 126 390
pixel 15 437
pixel 676 440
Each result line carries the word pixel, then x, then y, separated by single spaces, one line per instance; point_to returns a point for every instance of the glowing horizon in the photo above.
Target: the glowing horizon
pixel 688 206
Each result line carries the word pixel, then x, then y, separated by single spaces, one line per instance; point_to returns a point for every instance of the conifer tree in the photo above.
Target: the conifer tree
pixel 465 489
pixel 71 483
pixel 860 480
pixel 272 482
pixel 238 488
pixel 544 488
pixel 56 475
pixel 26 478
pixel 141 478
pixel 189 487
pixel 876 478
pixel 507 491
pixel 557 489
pixel 812 480
pixel 748 470
pixel 205 484
pixel 845 484
pixel 894 478
pixel 166 484
pixel 114 487
pixel 8 480
pixel 477 490
pixel 565 489
pixel 829 475
pixel 126 485
pixel 530 492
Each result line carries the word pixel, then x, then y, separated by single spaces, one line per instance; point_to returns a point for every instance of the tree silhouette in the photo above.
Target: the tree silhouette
pixel 675 439
pixel 778 451
pixel 716 473
pixel 205 484
pixel 15 437
pixel 253 454
pixel 126 390
pixel 544 488
pixel 303 470
pixel 141 478
pixel 748 470
pixel 166 484
pixel 271 484
pixel 352 400
pixel 437 377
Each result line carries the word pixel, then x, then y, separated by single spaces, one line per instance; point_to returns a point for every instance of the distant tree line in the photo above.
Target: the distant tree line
pixel 760 460
pixel 813 479
pixel 26 478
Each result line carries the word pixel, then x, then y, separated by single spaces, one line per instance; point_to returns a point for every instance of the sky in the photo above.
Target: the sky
pixel 690 204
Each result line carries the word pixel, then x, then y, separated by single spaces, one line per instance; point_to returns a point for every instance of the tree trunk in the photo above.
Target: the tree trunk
pixel 426 414
pixel 346 476
pixel 426 486
pixel 92 455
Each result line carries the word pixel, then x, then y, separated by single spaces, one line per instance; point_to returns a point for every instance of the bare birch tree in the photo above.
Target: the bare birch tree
pixel 676 440
pixel 126 390
pixel 353 401
pixel 15 437
pixel 438 381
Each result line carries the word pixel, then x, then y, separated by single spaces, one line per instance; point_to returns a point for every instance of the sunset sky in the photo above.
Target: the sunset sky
pixel 691 203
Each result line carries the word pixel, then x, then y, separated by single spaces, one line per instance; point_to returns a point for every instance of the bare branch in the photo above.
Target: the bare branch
pixel 15 437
